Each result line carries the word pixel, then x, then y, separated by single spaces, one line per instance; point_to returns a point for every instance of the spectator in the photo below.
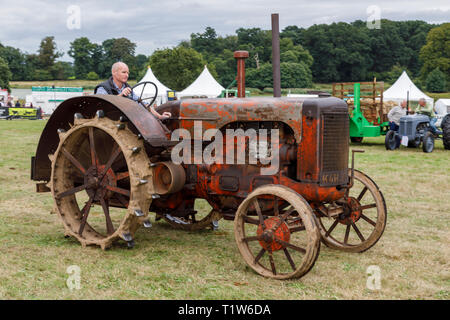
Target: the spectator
pixel 395 114
pixel 423 107
pixel 17 104
pixel 394 119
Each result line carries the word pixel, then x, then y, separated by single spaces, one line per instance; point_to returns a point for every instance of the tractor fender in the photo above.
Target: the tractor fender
pixel 139 119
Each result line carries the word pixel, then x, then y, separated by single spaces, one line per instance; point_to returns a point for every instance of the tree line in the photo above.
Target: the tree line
pixel 321 53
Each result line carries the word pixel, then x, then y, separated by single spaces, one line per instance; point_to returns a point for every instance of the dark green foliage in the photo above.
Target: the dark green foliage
pixel 178 67
pixel 92 76
pixel 293 75
pixel 83 53
pixel 331 53
pixel 435 81
pixel 5 74
pixel 47 53
pixel 62 70
pixel 353 52
pixel 436 52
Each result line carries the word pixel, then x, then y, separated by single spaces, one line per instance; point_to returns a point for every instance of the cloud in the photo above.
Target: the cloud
pixel 157 24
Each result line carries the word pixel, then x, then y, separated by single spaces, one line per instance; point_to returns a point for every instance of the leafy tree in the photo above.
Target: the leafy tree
pixel 121 49
pixel 259 78
pixel 17 62
pixel 435 81
pixel 178 67
pixel 436 52
pixel 5 74
pixel 293 75
pixel 62 70
pixel 206 42
pixel 294 33
pixel 85 55
pixel 42 75
pixel 226 67
pixel 47 53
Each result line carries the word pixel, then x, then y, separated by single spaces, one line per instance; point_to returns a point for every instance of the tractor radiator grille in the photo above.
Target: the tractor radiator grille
pixel 334 151
pixel 406 128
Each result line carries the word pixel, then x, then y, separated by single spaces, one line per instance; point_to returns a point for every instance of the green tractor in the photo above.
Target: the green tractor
pixel 366 123
pixel 360 127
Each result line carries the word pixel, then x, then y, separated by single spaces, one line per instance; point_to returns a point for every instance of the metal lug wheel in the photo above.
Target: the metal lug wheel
pixel 363 221
pixel 101 182
pixel 276 233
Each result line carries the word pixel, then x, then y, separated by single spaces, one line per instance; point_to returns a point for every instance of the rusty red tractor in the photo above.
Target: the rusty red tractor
pixel 110 153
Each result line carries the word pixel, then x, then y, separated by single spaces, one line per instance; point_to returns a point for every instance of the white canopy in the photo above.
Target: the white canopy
pixel 204 86
pixel 149 90
pixel 442 106
pixel 399 91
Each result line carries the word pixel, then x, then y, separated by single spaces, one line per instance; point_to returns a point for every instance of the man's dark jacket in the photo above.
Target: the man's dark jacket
pixel 109 86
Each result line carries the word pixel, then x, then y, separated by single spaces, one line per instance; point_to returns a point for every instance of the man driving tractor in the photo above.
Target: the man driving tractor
pixel 117 85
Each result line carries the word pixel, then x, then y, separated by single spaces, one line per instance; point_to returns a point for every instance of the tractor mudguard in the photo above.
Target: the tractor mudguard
pixel 140 122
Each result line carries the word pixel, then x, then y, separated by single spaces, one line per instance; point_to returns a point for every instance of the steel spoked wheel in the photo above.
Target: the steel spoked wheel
pixel 362 223
pixel 276 233
pixel 101 182
pixel 194 221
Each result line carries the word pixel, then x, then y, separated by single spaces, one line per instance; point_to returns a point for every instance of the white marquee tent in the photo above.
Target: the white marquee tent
pixel 442 106
pixel 204 86
pixel 399 91
pixel 149 90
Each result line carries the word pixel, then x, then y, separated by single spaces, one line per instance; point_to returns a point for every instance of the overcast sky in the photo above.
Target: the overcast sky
pixel 158 24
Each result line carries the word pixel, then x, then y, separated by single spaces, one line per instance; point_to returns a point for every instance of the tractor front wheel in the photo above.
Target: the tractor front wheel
pixel 428 142
pixel 276 232
pixel 364 213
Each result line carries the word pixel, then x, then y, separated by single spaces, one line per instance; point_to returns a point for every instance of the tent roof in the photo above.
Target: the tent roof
pixel 401 87
pixel 204 85
pixel 149 89
pixel 444 101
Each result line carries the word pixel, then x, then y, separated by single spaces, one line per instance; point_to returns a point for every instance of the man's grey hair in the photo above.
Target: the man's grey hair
pixel 116 66
pixel 422 99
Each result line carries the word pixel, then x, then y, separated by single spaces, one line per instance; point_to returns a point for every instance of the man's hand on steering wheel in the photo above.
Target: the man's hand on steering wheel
pixel 125 92
pixel 144 84
pixel 165 114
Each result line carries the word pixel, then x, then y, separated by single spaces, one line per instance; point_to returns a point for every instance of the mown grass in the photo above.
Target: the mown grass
pixel 413 253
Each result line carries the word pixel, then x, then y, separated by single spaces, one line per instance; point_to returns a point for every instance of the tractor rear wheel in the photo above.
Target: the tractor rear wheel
pixel 364 213
pixel 445 125
pixel 101 162
pixel 276 232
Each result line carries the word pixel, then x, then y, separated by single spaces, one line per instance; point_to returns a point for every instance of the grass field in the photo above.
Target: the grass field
pixel 413 254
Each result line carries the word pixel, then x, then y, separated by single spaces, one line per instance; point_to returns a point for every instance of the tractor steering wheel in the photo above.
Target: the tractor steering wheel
pixel 144 83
